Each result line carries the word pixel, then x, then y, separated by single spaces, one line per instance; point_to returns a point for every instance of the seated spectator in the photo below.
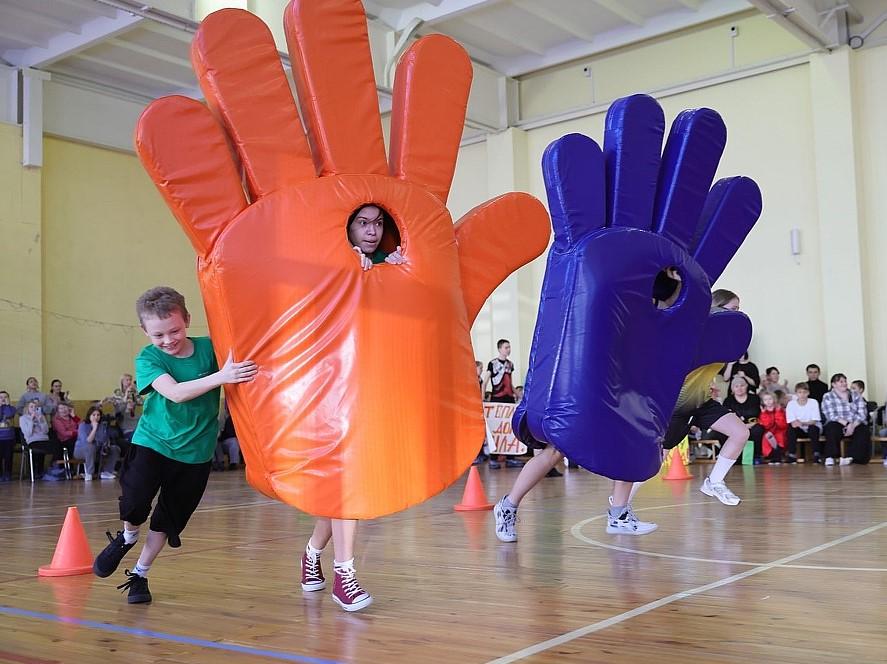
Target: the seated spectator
pixel 845 414
pixel 817 387
pixel 94 446
pixel 7 436
pixel 55 397
pixel 228 443
pixel 746 369
pixel 858 388
pixel 32 393
pixel 773 420
pixel 748 408
pixel 803 417
pixel 35 430
pixel 126 401
pixel 65 426
pixel 772 383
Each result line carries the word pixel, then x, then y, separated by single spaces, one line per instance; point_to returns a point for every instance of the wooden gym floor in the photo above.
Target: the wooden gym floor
pixel 796 573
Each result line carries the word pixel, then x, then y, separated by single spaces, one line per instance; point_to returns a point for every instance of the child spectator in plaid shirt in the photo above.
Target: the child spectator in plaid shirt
pixel 845 414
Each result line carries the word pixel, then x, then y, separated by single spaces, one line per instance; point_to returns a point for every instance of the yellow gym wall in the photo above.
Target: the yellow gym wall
pixel 21 350
pixel 107 237
pixel 870 94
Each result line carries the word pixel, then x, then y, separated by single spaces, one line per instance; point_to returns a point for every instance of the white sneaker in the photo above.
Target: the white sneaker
pixel 628 524
pixel 720 491
pixel 506 518
pixel 885 461
pixel 845 461
pixel 829 462
pixel 108 476
pixel 87 477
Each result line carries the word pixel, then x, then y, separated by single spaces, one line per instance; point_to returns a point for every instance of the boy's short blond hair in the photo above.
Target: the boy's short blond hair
pixel 161 302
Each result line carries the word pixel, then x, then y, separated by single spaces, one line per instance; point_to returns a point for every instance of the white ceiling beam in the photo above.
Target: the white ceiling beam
pixel 19 38
pixel 691 4
pixel 655 26
pixel 193 92
pixel 801 19
pixel 149 52
pixel 507 35
pixel 427 12
pixel 36 17
pixel 66 44
pixel 174 83
pixel 386 15
pixel 544 12
pixel 95 7
pixel 618 8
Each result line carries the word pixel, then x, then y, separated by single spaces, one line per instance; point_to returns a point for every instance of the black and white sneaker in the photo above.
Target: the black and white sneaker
pixel 107 562
pixel 627 523
pixel 137 587
pixel 506 518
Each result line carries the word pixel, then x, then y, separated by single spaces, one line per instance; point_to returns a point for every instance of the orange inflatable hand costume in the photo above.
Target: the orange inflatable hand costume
pixel 366 400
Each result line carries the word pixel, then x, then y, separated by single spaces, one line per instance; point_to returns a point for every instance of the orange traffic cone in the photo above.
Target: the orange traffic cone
pixel 72 554
pixel 474 497
pixel 676 468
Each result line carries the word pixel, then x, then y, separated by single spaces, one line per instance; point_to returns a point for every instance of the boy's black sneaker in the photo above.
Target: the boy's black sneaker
pixel 137 587
pixel 107 562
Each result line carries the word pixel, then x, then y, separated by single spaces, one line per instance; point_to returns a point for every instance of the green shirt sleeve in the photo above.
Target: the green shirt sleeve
pixel 148 369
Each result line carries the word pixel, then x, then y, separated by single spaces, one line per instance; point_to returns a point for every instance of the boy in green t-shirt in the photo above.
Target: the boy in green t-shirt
pixel 175 438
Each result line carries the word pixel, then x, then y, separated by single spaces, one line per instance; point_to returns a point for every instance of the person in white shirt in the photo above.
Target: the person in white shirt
pixel 802 414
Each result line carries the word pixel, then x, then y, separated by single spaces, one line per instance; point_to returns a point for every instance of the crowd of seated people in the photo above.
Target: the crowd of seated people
pixel 818 414
pixel 46 424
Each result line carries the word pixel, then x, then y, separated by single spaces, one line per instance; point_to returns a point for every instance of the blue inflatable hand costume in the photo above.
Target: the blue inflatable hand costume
pixel 607 365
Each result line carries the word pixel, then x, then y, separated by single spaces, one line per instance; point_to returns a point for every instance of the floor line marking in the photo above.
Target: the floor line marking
pixel 664 601
pixel 576 531
pixel 174 638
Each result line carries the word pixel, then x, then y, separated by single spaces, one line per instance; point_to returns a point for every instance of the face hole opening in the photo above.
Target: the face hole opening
pixel 372 228
pixel 667 287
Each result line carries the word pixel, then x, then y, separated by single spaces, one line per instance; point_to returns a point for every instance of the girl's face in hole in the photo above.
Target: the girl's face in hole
pixel 365 230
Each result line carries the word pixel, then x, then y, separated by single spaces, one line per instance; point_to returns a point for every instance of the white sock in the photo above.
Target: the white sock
pixel 616 511
pixel 348 564
pixel 506 502
pixel 311 551
pixel 141 569
pixel 130 536
pixel 634 490
pixel 722 467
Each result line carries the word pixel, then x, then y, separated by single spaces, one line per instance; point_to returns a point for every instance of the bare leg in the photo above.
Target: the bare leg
pixel 534 470
pixel 737 435
pixel 621 492
pixel 343 539
pixel 322 532
pixel 154 543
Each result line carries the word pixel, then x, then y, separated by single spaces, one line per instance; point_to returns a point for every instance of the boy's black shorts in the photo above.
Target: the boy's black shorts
pixel 181 486
pixel 703 417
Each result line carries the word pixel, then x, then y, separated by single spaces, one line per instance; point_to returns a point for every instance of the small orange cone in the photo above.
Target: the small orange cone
pixel 72 554
pixel 676 468
pixel 474 497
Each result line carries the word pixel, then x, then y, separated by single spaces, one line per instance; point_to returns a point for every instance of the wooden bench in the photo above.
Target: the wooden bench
pixel 803 441
pixel 715 445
